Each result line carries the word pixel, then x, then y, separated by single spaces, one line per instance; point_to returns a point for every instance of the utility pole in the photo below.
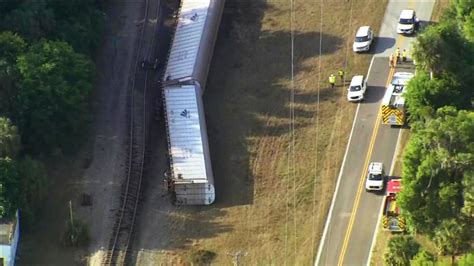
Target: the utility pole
pixel 72 222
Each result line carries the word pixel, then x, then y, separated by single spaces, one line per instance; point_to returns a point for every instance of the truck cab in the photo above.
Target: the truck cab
pixel 375 177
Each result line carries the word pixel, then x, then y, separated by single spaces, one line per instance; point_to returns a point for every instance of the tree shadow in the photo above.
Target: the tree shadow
pixel 260 62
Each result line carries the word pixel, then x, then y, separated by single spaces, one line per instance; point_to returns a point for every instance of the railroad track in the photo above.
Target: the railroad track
pixel 119 248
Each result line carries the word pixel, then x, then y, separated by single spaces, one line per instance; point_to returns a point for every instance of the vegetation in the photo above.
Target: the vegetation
pixel 438 194
pixel 466 260
pixel 45 83
pixel 423 258
pixel 202 257
pixel 435 163
pixel 51 104
pixel 400 250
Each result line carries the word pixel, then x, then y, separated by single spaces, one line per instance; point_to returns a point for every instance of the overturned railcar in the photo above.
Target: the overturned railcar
pixel 190 175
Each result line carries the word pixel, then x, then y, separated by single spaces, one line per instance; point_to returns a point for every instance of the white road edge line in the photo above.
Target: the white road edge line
pixel 333 201
pixel 392 167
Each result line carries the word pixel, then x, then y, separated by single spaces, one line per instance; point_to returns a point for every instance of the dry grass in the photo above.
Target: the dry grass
pixel 275 185
pixel 439 7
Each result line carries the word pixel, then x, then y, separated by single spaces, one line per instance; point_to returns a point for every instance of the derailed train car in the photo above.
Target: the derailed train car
pixel 190 175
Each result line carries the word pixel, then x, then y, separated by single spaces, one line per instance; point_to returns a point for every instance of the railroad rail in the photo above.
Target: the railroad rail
pixel 119 248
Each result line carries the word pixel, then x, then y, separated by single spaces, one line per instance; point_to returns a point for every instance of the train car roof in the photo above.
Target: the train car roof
pixel 187 38
pixel 185 134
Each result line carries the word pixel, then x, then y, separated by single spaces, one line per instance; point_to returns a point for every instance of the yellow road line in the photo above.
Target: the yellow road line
pixel 362 178
pixel 400 40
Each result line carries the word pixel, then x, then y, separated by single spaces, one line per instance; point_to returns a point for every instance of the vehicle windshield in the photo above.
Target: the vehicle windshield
pixel 405 21
pixel 375 177
pixel 362 39
pixel 355 88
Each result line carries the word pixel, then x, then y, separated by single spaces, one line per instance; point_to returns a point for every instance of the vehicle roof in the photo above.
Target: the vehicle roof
pixel 362 31
pixel 357 80
pixel 401 78
pixel 407 14
pixel 394 186
pixel 375 168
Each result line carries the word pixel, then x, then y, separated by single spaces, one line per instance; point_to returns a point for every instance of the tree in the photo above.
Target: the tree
pixel 452 238
pixel 424 95
pixel 9 139
pixel 438 154
pixel 468 27
pixel 442 48
pixel 32 19
pixel 400 250
pixel 51 106
pixel 10 198
pixel 423 258
pixel 11 46
pixel 468 196
pixel 78 22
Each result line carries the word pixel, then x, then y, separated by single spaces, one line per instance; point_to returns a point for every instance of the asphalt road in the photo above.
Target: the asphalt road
pixel 354 213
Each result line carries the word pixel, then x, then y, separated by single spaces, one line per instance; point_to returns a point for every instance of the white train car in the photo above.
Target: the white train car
pixel 190 175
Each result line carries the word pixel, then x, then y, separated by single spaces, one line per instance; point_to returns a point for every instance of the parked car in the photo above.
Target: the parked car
pixel 375 177
pixel 408 23
pixel 363 39
pixel 356 89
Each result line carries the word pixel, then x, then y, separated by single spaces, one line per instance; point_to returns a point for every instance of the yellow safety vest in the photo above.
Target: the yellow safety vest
pixel 332 79
pixel 404 54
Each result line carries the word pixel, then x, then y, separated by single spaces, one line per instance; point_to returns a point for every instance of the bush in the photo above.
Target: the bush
pixel 400 250
pixel 202 257
pixel 424 258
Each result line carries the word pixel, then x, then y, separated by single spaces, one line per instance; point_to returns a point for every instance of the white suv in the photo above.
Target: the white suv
pixel 375 177
pixel 363 39
pixel 356 89
pixel 408 22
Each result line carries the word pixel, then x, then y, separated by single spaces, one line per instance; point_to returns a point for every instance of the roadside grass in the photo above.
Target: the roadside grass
pixel 439 7
pixel 274 184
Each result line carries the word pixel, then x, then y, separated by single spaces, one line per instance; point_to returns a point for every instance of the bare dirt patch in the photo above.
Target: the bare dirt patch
pixel 274 185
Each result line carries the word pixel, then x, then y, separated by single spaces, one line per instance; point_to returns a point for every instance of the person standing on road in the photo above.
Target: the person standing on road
pixel 390 61
pixel 341 75
pixel 397 54
pixel 404 55
pixel 332 80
